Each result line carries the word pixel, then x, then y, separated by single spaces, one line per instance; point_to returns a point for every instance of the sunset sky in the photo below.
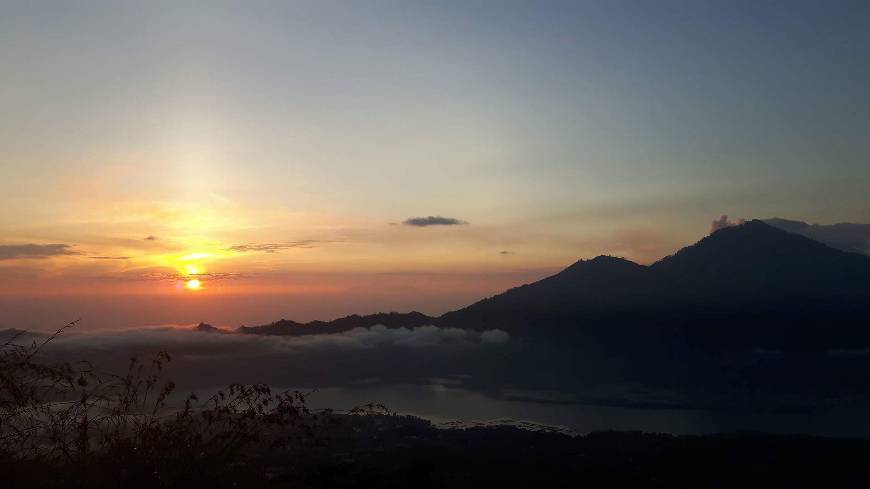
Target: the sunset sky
pixel 241 162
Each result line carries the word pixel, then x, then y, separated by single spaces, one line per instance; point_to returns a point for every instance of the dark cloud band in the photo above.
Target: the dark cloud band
pixel 433 221
pixel 109 257
pixel 11 252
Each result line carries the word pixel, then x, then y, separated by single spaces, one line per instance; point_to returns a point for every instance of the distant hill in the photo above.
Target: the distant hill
pixel 286 327
pixel 747 286
pixel 846 236
pixel 208 328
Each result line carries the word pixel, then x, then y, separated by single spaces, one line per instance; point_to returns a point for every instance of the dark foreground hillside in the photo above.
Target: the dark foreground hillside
pixel 404 453
pixel 401 452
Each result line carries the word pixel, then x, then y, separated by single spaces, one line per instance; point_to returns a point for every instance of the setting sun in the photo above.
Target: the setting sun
pixel 193 284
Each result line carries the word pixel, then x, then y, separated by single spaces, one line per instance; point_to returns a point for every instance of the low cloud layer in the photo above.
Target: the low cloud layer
pixel 11 252
pixel 433 221
pixel 845 236
pixel 183 340
pixel 399 355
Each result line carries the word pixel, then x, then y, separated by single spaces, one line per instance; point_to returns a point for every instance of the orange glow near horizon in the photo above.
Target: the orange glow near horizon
pixel 193 284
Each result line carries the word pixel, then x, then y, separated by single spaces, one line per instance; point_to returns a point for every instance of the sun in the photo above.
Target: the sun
pixel 193 284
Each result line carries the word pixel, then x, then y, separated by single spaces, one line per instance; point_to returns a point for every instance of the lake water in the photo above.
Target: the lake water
pixel 442 404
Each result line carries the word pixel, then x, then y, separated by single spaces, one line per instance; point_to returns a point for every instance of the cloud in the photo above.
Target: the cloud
pixel 109 257
pixel 151 237
pixel 433 221
pixel 419 337
pixel 274 247
pixel 396 355
pixel 173 275
pixel 39 251
pixel 723 222
pixel 845 236
pixel 494 336
pixel 184 340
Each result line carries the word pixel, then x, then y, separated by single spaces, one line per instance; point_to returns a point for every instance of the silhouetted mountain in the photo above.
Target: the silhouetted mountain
pixel 756 262
pixel 746 286
pixel 588 287
pixel 846 236
pixel 286 327
pixel 208 328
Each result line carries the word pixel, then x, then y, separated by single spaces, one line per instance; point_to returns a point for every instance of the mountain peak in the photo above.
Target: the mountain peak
pixel 755 259
pixel 601 262
pixel 208 328
pixel 608 259
pixel 750 226
pixel 748 239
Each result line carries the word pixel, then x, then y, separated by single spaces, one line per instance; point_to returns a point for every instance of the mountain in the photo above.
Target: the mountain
pixel 756 262
pixel 208 328
pixel 286 327
pixel 587 288
pixel 846 236
pixel 742 287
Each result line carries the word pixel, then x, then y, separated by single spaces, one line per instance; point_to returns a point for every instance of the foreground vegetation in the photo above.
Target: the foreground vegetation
pixel 70 425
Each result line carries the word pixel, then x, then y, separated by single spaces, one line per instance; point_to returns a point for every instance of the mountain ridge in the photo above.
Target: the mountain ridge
pixel 734 279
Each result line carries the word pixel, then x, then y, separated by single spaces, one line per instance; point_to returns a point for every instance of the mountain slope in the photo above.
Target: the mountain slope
pixel 745 286
pixel 756 261
pixel 586 287
pixel 846 236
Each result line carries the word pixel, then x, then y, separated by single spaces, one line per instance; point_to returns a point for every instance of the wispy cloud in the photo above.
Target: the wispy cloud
pixel 173 276
pixel 274 247
pixel 38 251
pixel 109 257
pixel 433 221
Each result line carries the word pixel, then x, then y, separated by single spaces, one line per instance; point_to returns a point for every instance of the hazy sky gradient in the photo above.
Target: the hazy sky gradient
pixel 280 148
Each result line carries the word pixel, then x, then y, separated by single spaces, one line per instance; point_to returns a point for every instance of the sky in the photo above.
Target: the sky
pixel 240 162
